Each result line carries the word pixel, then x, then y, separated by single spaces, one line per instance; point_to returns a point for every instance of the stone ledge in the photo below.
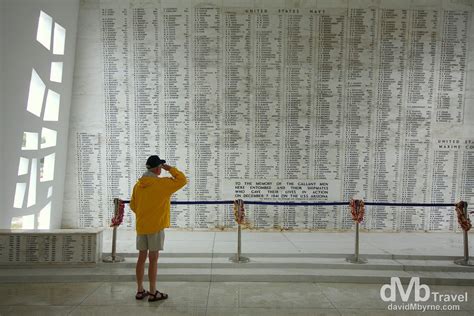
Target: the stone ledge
pixel 55 246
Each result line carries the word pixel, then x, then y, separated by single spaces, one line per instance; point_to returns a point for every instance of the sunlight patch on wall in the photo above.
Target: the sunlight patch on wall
pixel 44 217
pixel 48 137
pixel 28 221
pixel 47 168
pixel 23 222
pixel 16 223
pixel 45 105
pixel 23 166
pixel 59 39
pixel 30 141
pixel 51 112
pixel 19 195
pixel 45 25
pixel 36 94
pixel 56 74
pixel 32 184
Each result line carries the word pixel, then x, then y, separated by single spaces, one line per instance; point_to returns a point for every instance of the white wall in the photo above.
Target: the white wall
pixel 2 106
pixel 21 53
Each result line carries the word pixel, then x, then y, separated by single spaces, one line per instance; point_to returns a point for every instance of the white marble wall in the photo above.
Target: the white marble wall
pixel 374 95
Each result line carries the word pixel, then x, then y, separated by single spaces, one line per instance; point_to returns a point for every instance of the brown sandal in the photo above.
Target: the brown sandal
pixel 141 295
pixel 158 296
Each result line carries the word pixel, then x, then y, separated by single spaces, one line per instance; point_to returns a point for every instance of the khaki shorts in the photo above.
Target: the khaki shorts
pixel 152 242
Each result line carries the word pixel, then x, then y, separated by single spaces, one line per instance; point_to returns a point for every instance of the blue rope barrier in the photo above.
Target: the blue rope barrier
pixel 201 202
pixel 410 204
pixel 295 203
pixel 310 203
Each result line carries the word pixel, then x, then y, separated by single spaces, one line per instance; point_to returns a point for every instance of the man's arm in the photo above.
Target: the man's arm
pixel 132 200
pixel 178 179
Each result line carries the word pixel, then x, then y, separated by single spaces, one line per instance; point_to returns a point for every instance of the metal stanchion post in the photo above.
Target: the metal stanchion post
pixel 239 242
pixel 238 258
pixel 355 258
pixel 114 258
pixel 466 260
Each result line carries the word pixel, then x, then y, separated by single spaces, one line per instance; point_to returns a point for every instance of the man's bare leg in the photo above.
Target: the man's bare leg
pixel 153 269
pixel 140 269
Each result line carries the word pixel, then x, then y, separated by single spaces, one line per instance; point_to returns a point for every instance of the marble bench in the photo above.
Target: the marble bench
pixel 53 246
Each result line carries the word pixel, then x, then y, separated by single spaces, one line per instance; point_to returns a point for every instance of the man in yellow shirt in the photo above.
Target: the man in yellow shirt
pixel 151 204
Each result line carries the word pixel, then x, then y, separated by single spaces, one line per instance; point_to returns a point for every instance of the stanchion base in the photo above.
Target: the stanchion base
pixel 354 259
pixel 239 259
pixel 110 259
pixel 464 262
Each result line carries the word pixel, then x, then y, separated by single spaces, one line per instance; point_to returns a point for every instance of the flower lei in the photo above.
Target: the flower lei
pixel 239 211
pixel 357 210
pixel 118 217
pixel 463 220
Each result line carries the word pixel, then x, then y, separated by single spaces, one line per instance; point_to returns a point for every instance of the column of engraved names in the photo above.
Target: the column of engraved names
pixel 39 248
pixel 386 121
pixel 90 180
pixel 444 178
pixel 327 107
pixel 51 244
pixel 236 59
pixel 4 250
pixel 115 26
pixel 14 246
pixel 87 248
pixel 31 249
pixel 297 88
pixel 67 247
pixel 466 186
pixel 449 109
pixel 360 40
pixel 266 107
pixel 145 71
pixel 176 100
pixel 418 110
pixel 452 67
pixel 205 152
pixel 48 248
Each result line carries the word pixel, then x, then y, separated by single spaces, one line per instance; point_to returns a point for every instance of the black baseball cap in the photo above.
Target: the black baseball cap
pixel 154 161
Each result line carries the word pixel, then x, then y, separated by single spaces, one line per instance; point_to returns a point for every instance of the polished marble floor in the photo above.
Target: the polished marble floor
pixel 289 242
pixel 215 298
pixel 245 298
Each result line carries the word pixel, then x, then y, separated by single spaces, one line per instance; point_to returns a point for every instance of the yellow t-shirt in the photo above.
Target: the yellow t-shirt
pixel 151 199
